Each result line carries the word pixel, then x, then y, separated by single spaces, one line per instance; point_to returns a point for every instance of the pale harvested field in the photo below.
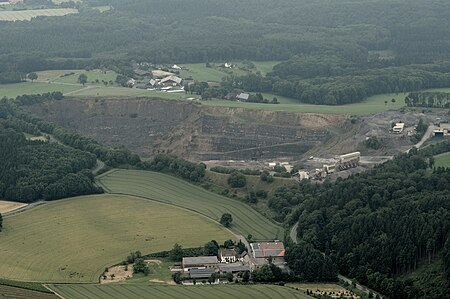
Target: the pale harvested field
pixel 27 15
pixel 8 206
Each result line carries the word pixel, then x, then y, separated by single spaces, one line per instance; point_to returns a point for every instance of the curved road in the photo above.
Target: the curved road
pixel 100 165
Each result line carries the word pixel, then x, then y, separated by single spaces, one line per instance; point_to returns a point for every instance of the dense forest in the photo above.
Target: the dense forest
pixel 377 225
pixel 33 170
pixel 337 52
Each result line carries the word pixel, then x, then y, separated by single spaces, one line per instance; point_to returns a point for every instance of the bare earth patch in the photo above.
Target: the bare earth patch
pixel 332 290
pixel 157 280
pixel 159 73
pixel 157 262
pixel 117 274
pixel 8 206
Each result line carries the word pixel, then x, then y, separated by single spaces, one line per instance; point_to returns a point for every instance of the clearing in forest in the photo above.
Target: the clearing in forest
pixel 73 240
pixel 168 189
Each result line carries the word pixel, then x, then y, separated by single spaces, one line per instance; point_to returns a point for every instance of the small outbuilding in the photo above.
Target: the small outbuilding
pixel 228 256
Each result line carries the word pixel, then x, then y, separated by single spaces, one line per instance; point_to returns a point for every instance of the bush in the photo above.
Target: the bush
pixel 237 180
pixel 226 220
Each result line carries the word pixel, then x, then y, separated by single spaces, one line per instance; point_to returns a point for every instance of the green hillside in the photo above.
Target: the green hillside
pixel 171 190
pixel 74 240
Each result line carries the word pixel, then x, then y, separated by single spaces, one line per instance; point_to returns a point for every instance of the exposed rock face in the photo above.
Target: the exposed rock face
pixel 190 130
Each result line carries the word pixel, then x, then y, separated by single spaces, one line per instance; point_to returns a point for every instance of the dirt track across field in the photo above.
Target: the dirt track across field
pixel 9 206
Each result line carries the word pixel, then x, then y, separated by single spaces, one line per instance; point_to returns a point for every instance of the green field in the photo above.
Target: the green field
pixel 265 66
pixel 27 15
pixel 66 76
pixel 171 190
pixel 442 160
pixel 91 76
pixel 163 292
pixel 125 92
pixel 200 72
pixel 73 240
pixel 16 89
pixel 371 105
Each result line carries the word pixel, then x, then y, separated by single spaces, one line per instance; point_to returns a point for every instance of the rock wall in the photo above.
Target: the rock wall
pixel 191 130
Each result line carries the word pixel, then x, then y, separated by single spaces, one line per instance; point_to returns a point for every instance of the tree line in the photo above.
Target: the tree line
pixel 348 87
pixel 428 99
pixel 319 39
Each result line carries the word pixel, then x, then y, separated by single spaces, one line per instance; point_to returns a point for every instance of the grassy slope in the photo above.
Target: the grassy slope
pixel 265 66
pixel 142 291
pixel 429 278
pixel 442 161
pixel 73 240
pixel 171 190
pixel 254 183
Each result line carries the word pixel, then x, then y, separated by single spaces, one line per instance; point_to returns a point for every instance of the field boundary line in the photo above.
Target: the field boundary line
pixel 53 291
pixel 107 173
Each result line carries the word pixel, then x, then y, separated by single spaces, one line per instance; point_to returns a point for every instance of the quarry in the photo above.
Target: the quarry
pixel 236 137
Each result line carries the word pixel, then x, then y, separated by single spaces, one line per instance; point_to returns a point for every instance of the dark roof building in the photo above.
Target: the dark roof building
pixel 199 262
pixel 201 273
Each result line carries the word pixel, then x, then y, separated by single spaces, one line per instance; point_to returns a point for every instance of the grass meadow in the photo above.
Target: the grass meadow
pixel 442 160
pixel 27 15
pixel 371 105
pixel 199 71
pixel 163 292
pixel 73 240
pixel 174 191
pixel 17 89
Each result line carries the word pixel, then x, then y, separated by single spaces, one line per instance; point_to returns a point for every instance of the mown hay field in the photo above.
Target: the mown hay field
pixel 27 15
pixel 174 191
pixel 73 240
pixel 163 292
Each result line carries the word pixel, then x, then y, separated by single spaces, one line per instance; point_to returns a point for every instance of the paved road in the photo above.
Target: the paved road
pixel 293 233
pixel 100 165
pixel 426 136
